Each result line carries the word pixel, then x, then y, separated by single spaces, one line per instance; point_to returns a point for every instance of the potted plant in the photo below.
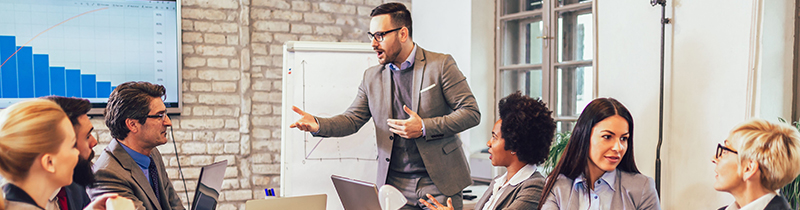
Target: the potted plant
pixel 558 146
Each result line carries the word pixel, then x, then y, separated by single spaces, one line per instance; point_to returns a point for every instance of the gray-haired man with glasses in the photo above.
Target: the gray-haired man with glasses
pixel 419 101
pixel 131 165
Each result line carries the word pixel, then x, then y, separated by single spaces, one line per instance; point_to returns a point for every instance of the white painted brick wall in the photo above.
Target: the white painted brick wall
pixel 232 57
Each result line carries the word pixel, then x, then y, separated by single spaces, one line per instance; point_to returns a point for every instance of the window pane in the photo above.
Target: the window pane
pixel 529 82
pixel 510 6
pixel 568 2
pixel 531 5
pixel 520 42
pixel 564 126
pixel 575 40
pixel 574 90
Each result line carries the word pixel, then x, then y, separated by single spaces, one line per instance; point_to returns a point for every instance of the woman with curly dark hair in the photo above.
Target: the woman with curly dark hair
pixel 520 141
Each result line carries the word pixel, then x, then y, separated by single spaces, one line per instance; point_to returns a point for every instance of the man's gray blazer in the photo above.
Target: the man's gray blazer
pixel 440 95
pixel 524 195
pixel 116 172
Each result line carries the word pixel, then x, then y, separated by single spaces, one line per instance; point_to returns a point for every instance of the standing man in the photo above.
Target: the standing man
pixel 73 196
pixel 420 101
pixel 131 165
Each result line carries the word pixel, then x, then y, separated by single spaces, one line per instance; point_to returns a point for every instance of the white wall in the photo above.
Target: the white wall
pixel 708 57
pixel 464 29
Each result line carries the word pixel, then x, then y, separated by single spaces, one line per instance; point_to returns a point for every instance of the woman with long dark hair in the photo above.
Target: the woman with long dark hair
pixel 597 169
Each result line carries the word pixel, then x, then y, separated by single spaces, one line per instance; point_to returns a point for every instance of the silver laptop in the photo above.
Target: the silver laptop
pixel 356 194
pixel 306 202
pixel 209 186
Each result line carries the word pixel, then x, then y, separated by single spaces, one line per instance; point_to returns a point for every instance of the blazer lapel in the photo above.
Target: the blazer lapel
pixel 387 91
pixel 419 70
pixel 129 164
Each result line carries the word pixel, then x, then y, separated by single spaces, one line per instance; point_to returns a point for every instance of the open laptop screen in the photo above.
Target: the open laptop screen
pixel 209 186
pixel 356 194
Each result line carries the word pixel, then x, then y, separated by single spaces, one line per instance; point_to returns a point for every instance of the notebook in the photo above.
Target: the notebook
pixel 306 202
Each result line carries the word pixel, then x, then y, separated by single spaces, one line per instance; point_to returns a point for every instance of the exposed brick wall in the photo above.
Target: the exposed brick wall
pixel 232 61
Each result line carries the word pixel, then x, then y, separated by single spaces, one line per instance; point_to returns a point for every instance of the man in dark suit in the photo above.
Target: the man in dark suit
pixel 758 158
pixel 131 165
pixel 73 196
pixel 420 101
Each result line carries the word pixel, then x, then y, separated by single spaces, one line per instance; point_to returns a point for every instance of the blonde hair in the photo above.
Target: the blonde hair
pixel 28 129
pixel 774 146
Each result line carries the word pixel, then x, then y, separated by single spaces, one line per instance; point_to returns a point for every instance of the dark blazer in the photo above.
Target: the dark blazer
pixel 777 203
pixel 77 198
pixel 116 172
pixel 524 195
pixel 441 97
pixel 18 199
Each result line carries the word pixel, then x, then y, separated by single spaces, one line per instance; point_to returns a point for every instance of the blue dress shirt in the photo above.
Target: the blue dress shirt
pixel 142 160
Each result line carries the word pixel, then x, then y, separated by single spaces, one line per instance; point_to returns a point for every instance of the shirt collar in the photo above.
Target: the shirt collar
pixel 521 175
pixel 759 203
pixel 142 160
pixel 609 179
pixel 14 193
pixel 53 197
pixel 409 61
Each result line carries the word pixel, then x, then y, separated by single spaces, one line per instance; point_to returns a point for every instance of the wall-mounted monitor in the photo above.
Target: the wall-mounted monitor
pixel 86 48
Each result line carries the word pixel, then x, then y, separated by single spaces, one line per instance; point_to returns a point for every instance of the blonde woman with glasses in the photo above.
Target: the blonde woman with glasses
pixel 758 158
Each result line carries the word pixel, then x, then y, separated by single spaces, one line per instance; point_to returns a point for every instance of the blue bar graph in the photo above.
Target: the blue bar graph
pixel 28 75
pixel 88 86
pixel 58 83
pixel 73 83
pixel 9 70
pixel 25 71
pixel 41 75
pixel 103 89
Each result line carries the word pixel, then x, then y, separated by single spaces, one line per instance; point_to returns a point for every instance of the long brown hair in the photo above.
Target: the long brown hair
pixel 575 158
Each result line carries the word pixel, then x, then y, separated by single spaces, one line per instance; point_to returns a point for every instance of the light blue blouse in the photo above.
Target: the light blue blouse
pixel 614 190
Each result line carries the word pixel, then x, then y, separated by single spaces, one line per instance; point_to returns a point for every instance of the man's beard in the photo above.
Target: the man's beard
pixel 83 174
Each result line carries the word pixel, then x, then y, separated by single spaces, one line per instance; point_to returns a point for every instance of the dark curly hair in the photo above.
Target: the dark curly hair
pixel 528 127
pixel 130 100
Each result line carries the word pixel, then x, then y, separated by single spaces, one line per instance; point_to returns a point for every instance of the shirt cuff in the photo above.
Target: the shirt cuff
pixel 315 133
pixel 423 129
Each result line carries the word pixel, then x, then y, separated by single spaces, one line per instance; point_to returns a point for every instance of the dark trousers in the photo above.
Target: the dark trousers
pixel 414 187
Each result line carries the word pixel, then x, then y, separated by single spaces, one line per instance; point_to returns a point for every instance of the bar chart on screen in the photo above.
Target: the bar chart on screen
pixel 85 48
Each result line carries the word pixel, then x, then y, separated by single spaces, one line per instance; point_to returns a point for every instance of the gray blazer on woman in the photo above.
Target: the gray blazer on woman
pixel 634 191
pixel 525 195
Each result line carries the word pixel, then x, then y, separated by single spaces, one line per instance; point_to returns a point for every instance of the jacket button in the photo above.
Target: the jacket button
pixel 391 138
pixel 387 159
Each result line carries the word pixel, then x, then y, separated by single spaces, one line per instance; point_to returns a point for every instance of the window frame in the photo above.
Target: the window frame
pixel 796 66
pixel 549 67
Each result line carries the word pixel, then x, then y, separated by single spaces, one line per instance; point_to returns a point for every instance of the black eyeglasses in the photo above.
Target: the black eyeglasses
pixel 378 36
pixel 160 115
pixel 721 148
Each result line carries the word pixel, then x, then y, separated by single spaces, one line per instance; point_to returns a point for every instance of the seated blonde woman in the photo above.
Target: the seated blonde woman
pixel 758 158
pixel 37 154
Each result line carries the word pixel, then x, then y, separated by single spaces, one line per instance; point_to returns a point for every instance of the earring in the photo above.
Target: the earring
pixel 513 153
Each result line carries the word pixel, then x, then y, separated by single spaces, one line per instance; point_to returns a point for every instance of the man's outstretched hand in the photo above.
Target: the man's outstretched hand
pixel 306 123
pixel 410 128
